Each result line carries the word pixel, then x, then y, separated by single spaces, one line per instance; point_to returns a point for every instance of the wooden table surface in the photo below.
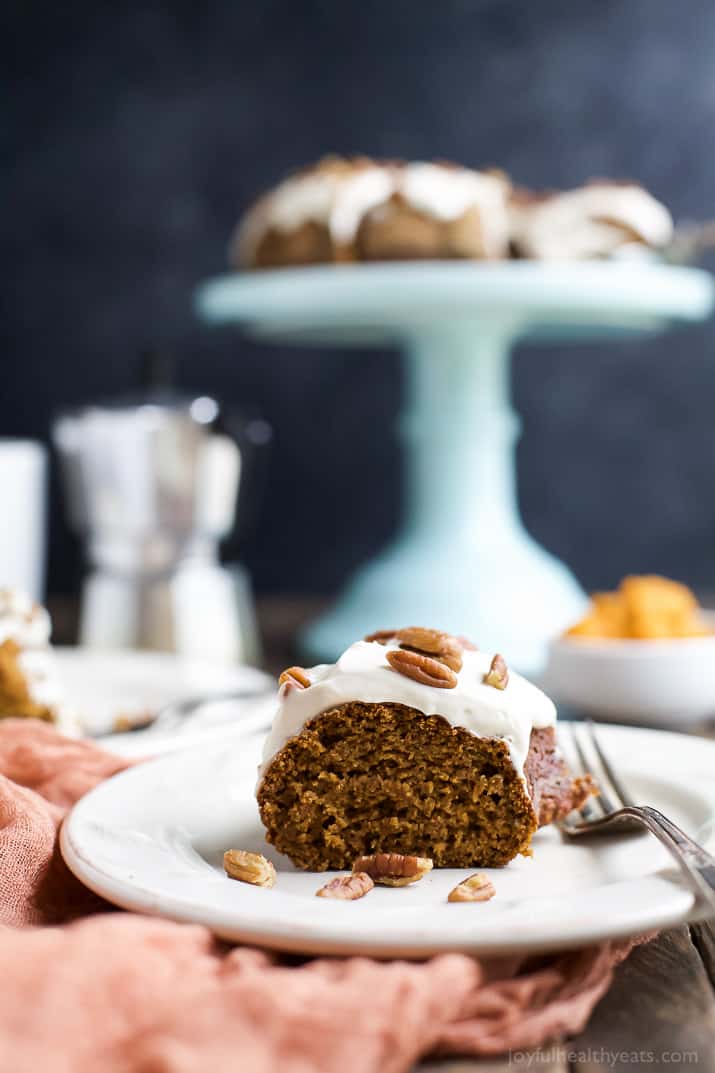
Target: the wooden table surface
pixel 659 1014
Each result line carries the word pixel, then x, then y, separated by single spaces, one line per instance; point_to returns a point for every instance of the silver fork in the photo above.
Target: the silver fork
pixel 618 809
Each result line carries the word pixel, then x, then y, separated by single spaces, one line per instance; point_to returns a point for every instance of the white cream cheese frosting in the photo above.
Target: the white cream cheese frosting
pixel 595 220
pixel 363 674
pixel 447 193
pixel 22 621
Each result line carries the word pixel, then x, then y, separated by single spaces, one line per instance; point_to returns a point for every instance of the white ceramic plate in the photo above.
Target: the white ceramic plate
pixel 152 840
pixel 101 685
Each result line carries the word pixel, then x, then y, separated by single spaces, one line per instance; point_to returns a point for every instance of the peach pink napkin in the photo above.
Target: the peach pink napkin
pixel 89 991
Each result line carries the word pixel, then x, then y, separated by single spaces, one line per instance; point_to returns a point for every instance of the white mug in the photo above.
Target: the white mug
pixel 23 491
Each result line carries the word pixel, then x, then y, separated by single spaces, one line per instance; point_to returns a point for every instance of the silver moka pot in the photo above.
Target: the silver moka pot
pixel 152 483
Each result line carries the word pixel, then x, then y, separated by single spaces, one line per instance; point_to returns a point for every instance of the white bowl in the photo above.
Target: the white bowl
pixel 655 683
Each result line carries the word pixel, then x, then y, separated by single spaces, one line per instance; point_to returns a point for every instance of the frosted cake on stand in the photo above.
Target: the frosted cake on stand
pixel 363 210
pixel 563 270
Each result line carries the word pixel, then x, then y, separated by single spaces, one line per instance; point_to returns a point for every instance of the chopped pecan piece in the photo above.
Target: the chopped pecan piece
pixel 295 678
pixel 441 646
pixel 476 888
pixel 393 869
pixel 381 636
pixel 347 888
pixel 248 867
pixel 498 673
pixel 424 669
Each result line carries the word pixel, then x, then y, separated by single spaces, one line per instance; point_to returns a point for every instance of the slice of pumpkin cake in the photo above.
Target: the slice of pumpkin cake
pixel 29 683
pixel 414 742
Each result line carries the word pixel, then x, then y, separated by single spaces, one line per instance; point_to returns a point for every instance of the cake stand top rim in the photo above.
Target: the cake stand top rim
pixel 403 298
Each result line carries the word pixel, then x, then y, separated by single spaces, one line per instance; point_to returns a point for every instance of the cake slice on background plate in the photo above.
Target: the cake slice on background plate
pixel 414 742
pixel 29 683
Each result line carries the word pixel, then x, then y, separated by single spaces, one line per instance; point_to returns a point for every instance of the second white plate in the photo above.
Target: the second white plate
pixel 102 685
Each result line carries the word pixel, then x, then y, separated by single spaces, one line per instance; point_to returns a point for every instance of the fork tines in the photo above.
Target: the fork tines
pixel 612 793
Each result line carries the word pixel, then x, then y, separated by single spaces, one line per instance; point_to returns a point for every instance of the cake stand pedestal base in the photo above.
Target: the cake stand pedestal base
pixel 462 561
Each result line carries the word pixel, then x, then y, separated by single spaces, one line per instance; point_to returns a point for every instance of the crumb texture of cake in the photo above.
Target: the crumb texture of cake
pixel 368 778
pixel 29 684
pixel 367 759
pixel 553 789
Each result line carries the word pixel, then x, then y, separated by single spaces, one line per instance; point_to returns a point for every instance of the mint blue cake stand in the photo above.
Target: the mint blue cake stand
pixel 462 560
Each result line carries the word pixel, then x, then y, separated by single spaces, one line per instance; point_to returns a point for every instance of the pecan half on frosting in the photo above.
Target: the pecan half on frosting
pixel 424 669
pixel 436 643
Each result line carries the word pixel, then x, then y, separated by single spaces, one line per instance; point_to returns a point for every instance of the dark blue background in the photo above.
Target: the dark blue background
pixel 135 134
